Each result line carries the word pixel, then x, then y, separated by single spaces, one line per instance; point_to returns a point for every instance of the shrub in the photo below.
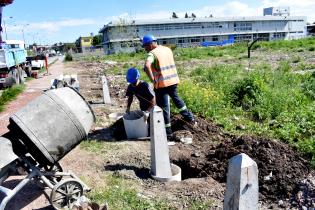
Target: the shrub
pixel 199 99
pixel 296 59
pixel 171 46
pixel 308 87
pixel 245 93
pixel 68 57
pixel 284 66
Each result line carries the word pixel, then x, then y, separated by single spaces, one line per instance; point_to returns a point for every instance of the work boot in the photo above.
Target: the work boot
pixel 169 133
pixel 193 123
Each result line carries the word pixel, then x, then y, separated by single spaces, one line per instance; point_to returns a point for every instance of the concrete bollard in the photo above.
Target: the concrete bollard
pixel 160 160
pixel 106 96
pixel 161 168
pixel 242 184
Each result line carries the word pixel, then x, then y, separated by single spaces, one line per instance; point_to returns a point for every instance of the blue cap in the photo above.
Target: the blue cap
pixel 132 75
pixel 148 39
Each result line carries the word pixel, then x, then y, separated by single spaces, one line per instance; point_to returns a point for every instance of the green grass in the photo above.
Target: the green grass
pixel 290 45
pixel 119 194
pixel 42 70
pixel 10 94
pixel 209 52
pixel 98 147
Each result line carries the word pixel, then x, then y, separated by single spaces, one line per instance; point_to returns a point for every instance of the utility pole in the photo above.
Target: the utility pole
pixel 5 28
pixel 22 30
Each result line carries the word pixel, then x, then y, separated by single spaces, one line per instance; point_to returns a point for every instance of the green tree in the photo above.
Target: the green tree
pixel 97 40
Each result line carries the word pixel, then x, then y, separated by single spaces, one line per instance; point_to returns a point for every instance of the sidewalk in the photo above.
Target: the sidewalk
pixel 33 89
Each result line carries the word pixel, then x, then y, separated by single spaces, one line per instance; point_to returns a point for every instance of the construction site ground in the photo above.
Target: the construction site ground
pixel 203 163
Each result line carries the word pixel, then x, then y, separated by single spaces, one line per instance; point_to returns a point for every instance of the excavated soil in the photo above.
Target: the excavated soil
pixel 281 168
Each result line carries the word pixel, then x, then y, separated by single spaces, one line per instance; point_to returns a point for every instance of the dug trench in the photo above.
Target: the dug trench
pixel 283 171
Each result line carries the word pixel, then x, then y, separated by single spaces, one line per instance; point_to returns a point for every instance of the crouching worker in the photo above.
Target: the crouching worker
pixel 140 89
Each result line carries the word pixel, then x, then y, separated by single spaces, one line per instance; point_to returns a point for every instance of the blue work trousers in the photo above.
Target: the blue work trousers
pixel 162 101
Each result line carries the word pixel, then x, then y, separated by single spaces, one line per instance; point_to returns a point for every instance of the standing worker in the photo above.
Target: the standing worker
pixel 161 70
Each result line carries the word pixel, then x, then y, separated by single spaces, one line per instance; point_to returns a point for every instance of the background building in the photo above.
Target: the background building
pixel 277 11
pixel 84 44
pixel 311 29
pixel 124 36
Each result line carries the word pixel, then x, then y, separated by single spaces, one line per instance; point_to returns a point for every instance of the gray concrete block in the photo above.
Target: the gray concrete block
pixel 106 96
pixel 242 184
pixel 160 160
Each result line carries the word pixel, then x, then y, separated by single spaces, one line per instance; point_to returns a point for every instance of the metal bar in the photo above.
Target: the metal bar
pixel 250 46
pixel 85 187
pixel 10 193
pixel 46 181
pixel 5 190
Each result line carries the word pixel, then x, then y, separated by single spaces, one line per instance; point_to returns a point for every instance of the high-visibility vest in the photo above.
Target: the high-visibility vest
pixel 165 73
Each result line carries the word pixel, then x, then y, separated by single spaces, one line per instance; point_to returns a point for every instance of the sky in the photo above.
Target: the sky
pixel 54 21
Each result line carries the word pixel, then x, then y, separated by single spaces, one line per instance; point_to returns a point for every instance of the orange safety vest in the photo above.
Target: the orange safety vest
pixel 165 73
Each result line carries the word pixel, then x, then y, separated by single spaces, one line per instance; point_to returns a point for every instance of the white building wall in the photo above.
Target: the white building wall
pixel 185 34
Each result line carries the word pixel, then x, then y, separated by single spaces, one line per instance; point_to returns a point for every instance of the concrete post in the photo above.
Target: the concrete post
pixel 106 96
pixel 242 184
pixel 160 161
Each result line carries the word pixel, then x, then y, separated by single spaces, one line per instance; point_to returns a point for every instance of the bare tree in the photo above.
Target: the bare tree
pixel 126 29
pixel 193 15
pixel 186 15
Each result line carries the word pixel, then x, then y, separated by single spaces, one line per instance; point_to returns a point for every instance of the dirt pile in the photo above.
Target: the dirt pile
pixel 281 168
pixel 117 130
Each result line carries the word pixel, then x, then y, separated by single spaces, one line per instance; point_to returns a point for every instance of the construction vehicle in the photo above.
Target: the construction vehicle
pixel 13 64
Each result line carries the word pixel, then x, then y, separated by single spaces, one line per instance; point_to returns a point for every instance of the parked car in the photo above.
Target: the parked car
pixel 37 64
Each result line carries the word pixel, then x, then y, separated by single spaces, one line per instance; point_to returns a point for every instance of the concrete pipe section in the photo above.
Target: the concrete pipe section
pixel 176 175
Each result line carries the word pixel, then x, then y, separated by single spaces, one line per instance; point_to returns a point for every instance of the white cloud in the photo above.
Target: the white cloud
pixel 52 26
pixel 234 8
pixel 238 8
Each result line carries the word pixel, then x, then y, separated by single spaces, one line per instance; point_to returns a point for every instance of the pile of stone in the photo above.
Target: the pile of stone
pixel 66 81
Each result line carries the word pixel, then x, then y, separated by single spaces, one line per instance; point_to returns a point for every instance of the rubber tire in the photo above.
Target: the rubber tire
pixel 22 79
pixel 28 71
pixel 56 189
pixel 15 77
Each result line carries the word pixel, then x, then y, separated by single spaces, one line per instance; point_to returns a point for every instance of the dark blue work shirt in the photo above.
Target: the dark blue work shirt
pixel 143 92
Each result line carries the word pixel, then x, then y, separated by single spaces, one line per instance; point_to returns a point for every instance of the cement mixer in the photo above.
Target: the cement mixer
pixel 40 134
